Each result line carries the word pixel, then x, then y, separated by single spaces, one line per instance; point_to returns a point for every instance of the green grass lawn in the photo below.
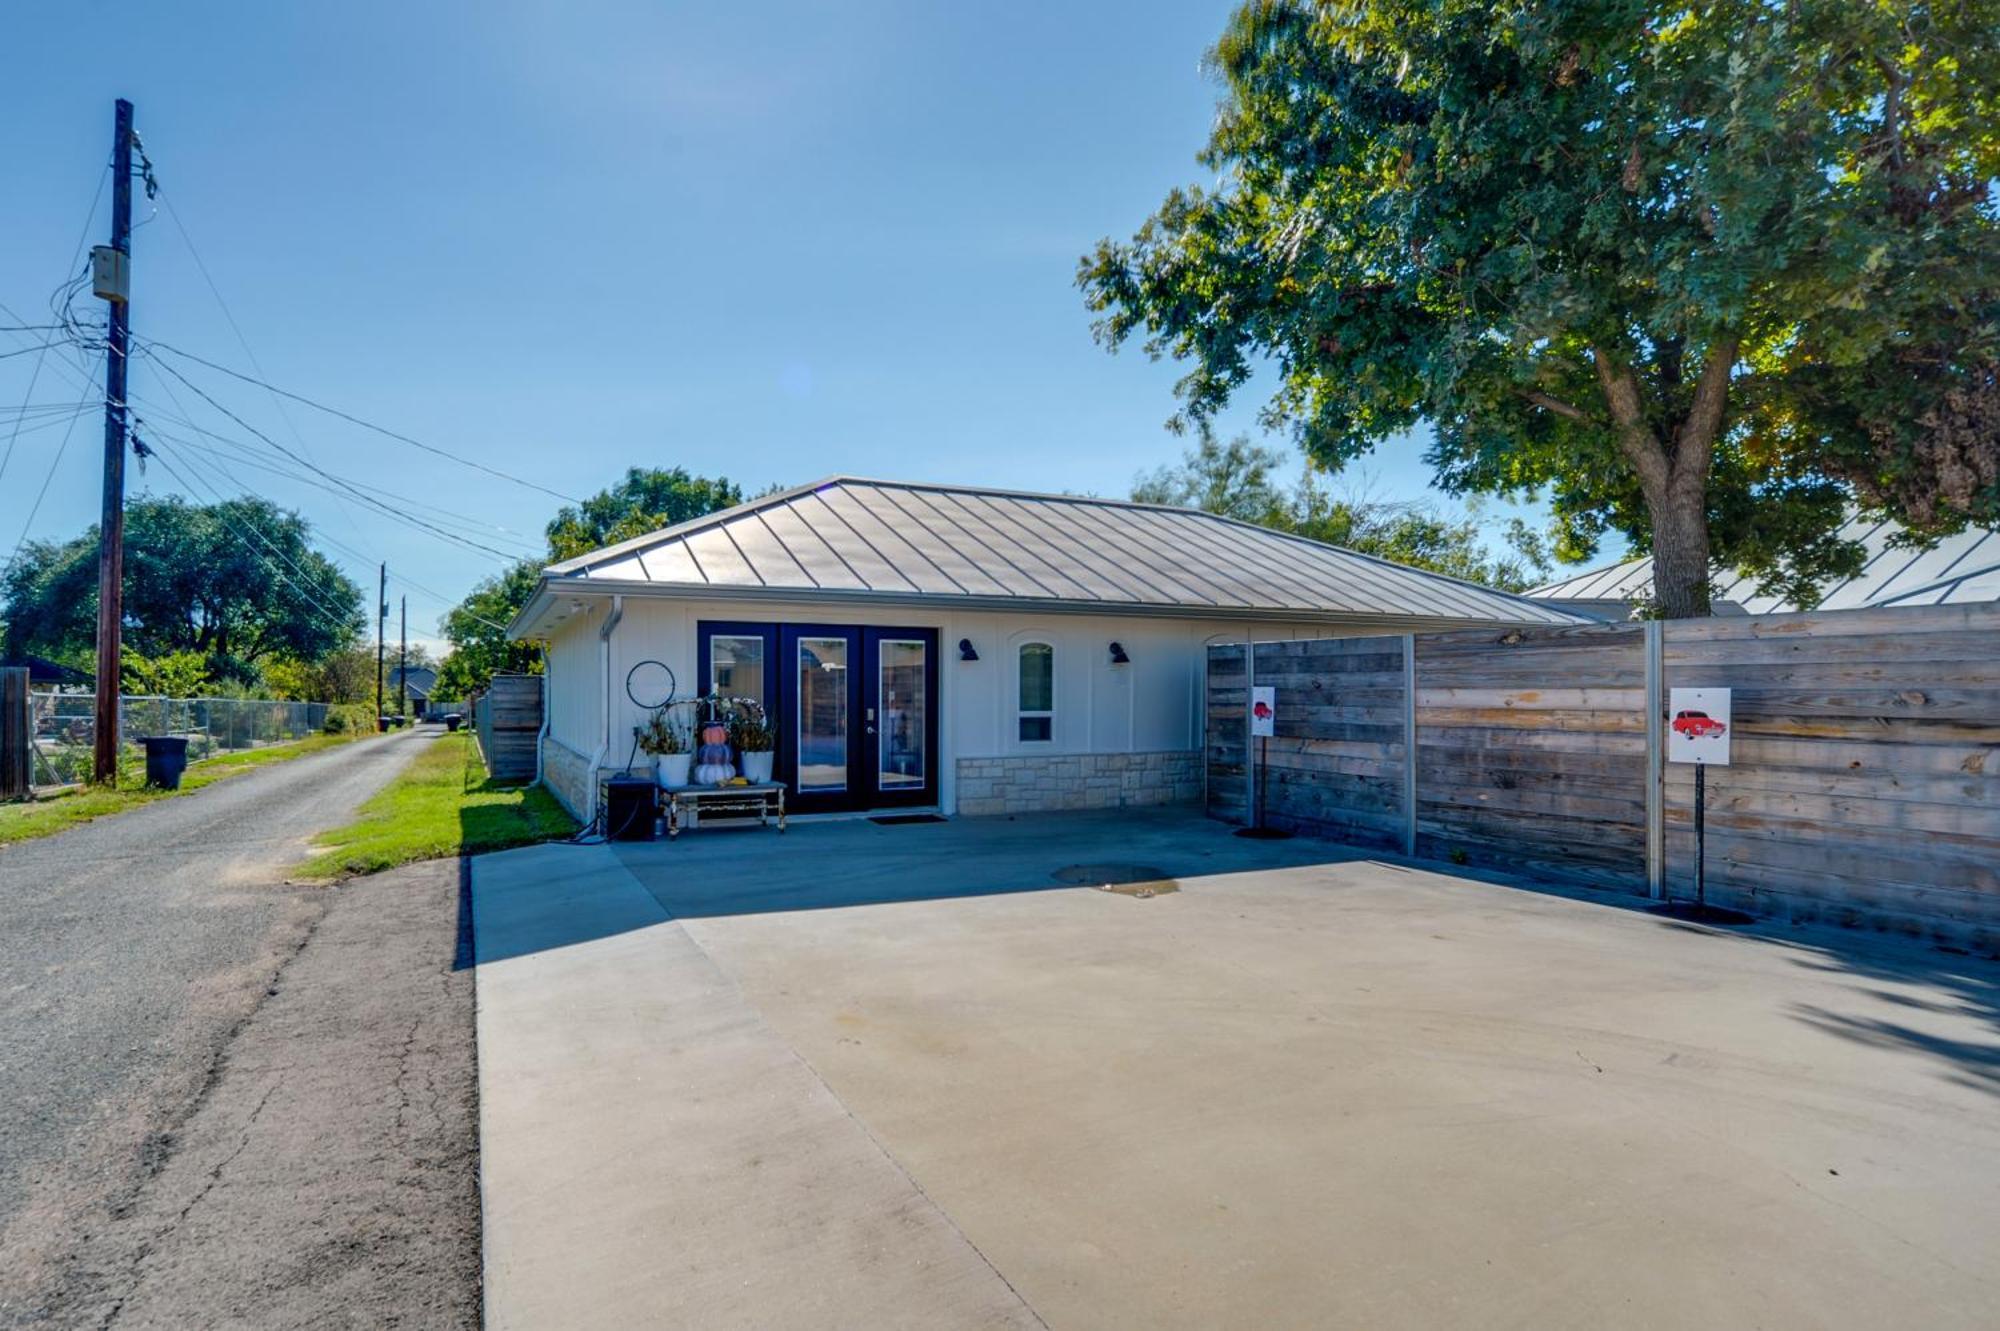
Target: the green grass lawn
pixel 442 804
pixel 41 817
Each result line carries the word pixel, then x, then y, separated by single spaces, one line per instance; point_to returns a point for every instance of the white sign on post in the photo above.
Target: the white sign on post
pixel 1263 710
pixel 1698 731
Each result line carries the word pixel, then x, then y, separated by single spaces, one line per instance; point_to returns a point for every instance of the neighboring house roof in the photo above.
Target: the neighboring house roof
pixel 421 678
pixel 857 539
pixel 41 670
pixel 1959 569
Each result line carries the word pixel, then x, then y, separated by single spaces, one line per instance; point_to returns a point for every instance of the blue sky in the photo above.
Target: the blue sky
pixel 770 241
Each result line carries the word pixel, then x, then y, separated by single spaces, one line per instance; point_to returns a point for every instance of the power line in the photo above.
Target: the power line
pixel 35 508
pixel 230 315
pixel 239 451
pixel 221 514
pixel 82 238
pixel 356 420
pixel 321 472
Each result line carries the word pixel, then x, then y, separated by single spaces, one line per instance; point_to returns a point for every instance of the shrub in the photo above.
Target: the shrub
pixel 348 718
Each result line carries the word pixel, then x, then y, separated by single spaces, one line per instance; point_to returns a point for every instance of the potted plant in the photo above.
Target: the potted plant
pixel 750 729
pixel 667 742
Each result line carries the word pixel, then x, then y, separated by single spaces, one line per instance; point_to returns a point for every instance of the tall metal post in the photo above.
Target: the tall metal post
pixel 111 522
pixel 1656 749
pixel 403 664
pixel 381 622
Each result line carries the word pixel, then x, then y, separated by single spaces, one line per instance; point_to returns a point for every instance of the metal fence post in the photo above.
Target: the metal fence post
pixel 1410 744
pixel 1249 749
pixel 1656 813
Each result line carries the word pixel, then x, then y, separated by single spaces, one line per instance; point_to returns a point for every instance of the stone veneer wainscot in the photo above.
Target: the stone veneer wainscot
pixel 1041 782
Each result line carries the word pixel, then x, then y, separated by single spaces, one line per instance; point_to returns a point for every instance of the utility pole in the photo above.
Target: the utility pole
pixel 111 524
pixel 403 664
pixel 381 621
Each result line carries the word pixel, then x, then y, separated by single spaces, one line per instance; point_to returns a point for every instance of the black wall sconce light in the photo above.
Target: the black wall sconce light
pixel 965 651
pixel 1118 656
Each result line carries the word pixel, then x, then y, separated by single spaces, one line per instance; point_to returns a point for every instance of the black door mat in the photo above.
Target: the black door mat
pixel 898 819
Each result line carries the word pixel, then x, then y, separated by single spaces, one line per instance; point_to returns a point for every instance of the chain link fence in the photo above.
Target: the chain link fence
pixel 65 728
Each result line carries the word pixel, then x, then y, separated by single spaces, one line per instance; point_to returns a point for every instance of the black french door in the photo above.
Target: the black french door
pixel 856 708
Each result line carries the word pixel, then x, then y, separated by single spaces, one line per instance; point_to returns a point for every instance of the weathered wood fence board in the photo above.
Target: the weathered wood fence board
pixel 1858 789
pixel 17 733
pixel 507 717
pixel 1864 786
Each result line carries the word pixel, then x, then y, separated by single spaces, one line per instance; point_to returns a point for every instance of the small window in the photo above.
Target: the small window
pixel 1038 692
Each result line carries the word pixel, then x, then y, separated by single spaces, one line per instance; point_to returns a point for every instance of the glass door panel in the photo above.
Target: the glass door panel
pixel 903 705
pixel 822 715
pixel 736 667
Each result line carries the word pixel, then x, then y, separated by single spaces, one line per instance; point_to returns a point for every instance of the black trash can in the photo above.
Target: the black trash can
pixel 452 720
pixel 166 759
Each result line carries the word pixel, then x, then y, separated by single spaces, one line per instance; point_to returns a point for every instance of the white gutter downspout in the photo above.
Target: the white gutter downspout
pixel 542 735
pixel 603 745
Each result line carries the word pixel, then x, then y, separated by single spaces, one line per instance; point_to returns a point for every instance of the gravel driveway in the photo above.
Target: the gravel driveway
pixel 135 952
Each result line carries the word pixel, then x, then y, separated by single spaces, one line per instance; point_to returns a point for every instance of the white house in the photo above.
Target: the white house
pixel 968 650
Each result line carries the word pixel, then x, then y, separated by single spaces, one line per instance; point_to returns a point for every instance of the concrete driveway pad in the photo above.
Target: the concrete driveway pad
pixel 859 1075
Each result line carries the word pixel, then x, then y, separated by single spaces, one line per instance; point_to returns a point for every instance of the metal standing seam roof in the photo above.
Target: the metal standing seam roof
pixel 856 536
pixel 1959 569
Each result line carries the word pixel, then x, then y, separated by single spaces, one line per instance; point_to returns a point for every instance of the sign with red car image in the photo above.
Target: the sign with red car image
pixel 1263 710
pixel 1698 727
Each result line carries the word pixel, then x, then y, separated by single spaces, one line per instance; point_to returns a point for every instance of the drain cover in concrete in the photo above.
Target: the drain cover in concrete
pixel 1132 880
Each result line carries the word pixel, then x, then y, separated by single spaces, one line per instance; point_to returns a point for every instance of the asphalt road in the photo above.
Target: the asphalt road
pixel 132 950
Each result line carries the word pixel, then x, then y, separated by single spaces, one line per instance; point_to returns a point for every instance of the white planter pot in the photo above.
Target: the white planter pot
pixel 671 769
pixel 757 766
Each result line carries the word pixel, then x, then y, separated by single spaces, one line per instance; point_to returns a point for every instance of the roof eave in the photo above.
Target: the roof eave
pixel 551 588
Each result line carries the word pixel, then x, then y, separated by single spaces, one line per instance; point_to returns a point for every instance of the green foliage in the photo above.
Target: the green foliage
pixel 1236 479
pixel 750 727
pixel 349 718
pixel 1702 273
pixel 192 585
pixel 174 675
pixel 476 628
pixel 441 804
pixel 645 501
pixel 346 676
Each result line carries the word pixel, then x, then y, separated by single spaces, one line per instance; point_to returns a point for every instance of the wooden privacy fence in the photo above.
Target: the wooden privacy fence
pixel 17 733
pixel 1864 785
pixel 507 718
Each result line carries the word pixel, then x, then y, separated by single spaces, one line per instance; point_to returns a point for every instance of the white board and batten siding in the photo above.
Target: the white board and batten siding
pixel 1152 704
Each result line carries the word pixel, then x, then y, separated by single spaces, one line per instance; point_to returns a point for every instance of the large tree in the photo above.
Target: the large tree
pixel 647 499
pixel 1240 480
pixel 1706 273
pixel 236 582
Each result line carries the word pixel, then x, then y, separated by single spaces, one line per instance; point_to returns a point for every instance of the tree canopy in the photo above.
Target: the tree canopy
pixel 1706 274
pixel 646 500
pixel 1238 480
pixel 476 629
pixel 237 584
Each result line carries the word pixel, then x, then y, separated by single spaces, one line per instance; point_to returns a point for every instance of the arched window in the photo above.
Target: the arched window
pixel 1037 701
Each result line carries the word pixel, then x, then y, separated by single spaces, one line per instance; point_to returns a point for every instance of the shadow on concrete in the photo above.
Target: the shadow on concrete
pixel 1970 990
pixel 543 898
pixel 1970 985
pixel 719 872
pixel 559 895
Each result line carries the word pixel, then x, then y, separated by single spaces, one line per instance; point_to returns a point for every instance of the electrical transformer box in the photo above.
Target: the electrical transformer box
pixel 110 273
